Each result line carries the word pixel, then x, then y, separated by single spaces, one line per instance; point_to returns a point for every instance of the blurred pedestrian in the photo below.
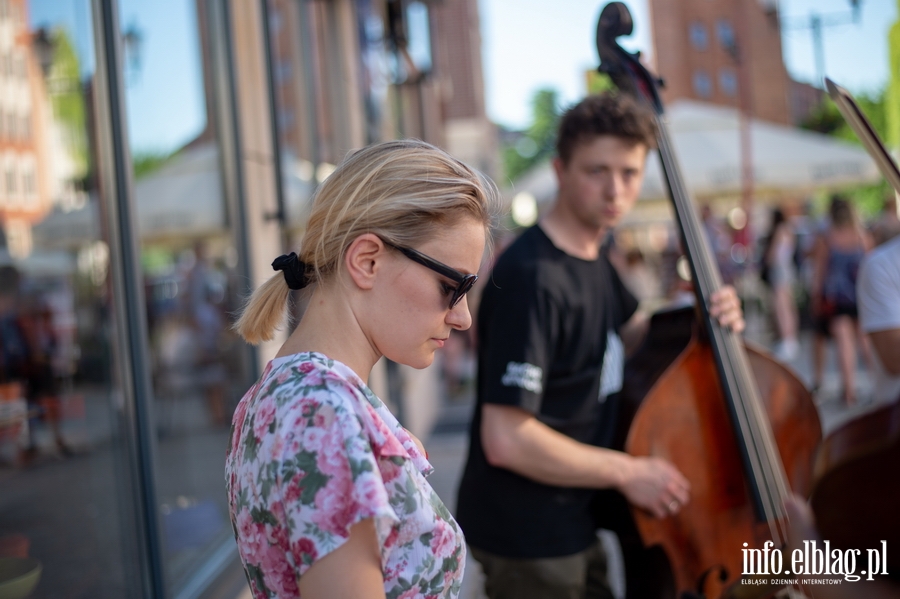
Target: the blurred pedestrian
pixel 327 492
pixel 886 225
pixel 637 275
pixel 720 242
pixel 554 324
pixel 781 276
pixel 839 252
pixel 207 325
pixel 878 293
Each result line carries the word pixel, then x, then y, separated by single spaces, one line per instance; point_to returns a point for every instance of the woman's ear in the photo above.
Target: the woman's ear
pixel 362 259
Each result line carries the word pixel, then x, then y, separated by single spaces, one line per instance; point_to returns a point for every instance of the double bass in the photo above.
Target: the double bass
pixel 739 425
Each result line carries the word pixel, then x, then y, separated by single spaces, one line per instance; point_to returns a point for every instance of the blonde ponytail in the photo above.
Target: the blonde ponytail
pixel 264 312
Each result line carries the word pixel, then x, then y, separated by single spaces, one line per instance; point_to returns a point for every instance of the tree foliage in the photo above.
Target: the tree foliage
pixel 67 100
pixel 827 119
pixel 147 162
pixel 536 143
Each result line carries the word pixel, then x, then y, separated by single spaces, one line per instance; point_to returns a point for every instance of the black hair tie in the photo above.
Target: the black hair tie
pixel 294 270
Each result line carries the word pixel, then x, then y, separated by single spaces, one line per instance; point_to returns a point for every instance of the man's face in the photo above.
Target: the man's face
pixel 601 181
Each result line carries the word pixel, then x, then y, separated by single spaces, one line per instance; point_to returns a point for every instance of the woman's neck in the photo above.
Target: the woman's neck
pixel 330 327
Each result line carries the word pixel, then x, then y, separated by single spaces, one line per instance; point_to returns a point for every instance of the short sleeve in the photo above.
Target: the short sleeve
pixel 517 328
pixel 330 478
pixel 878 293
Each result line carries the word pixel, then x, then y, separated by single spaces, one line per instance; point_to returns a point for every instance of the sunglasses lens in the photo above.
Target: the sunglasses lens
pixel 463 289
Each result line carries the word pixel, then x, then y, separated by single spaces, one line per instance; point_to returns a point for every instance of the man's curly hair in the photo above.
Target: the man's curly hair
pixel 615 114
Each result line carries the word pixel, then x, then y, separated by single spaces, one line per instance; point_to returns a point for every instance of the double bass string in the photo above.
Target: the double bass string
pixel 768 475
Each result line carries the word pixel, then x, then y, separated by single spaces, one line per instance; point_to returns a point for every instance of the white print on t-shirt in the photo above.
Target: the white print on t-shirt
pixel 524 375
pixel 613 366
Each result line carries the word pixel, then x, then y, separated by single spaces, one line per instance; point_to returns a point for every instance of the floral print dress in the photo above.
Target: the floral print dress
pixel 313 451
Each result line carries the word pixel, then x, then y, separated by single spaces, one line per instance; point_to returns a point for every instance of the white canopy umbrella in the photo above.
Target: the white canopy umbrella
pixel 183 198
pixel 708 147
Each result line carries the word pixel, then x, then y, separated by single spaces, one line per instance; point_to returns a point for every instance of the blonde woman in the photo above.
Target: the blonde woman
pixel 327 492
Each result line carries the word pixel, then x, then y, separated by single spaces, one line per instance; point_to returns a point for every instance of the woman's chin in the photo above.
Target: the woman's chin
pixel 418 361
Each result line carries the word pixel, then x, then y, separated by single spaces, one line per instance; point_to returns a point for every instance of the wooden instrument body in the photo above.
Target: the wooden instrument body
pixel 684 420
pixel 672 407
pixel 856 490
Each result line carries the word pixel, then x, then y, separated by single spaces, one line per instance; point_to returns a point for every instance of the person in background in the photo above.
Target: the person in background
pixel 27 347
pixel 554 324
pixel 720 242
pixel 778 259
pixel 326 491
pixel 886 225
pixel 878 296
pixel 838 254
pixel 207 325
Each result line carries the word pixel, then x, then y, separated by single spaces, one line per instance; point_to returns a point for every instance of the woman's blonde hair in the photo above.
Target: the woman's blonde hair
pixel 404 191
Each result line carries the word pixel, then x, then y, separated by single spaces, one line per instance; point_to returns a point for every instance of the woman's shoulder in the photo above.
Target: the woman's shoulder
pixel 305 377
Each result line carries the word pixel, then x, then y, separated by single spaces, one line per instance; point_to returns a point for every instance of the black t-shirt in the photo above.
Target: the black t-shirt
pixel 547 343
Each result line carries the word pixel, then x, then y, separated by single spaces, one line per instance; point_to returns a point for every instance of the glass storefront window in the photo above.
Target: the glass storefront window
pixel 189 261
pixel 311 46
pixel 65 497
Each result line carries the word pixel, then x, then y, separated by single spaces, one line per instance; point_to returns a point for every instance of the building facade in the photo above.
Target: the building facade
pixel 725 52
pixel 154 158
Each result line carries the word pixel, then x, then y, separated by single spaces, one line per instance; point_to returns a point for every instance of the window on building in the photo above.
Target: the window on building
pixel 4 9
pixel 702 84
pixel 29 185
pixel 725 33
pixel 10 181
pixel 728 81
pixel 283 71
pixel 21 67
pixel 286 120
pixel 25 127
pixel 699 36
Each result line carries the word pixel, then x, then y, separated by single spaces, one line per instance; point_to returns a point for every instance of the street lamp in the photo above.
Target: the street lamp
pixel 816 22
pixel 43 49
pixel 132 39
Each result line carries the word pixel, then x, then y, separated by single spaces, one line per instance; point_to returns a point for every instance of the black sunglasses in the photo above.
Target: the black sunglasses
pixel 463 282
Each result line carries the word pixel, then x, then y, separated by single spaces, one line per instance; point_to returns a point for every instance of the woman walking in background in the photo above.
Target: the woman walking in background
pixel 781 275
pixel 838 254
pixel 327 492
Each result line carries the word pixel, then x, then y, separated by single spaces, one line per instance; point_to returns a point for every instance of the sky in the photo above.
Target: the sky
pixel 527 45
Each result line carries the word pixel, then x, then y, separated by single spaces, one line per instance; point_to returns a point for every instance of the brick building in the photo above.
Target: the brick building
pixel 705 50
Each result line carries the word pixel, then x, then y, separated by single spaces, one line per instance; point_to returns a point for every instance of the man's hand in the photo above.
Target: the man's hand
pixel 656 486
pixel 725 307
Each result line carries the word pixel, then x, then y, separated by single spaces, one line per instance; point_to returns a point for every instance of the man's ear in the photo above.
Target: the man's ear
pixel 362 259
pixel 558 168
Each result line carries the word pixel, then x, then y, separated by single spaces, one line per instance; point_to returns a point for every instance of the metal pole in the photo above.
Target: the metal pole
pixel 746 115
pixel 815 23
pixel 279 213
pixel 128 291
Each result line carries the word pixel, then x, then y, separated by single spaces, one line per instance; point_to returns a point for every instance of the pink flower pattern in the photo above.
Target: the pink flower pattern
pixel 313 451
